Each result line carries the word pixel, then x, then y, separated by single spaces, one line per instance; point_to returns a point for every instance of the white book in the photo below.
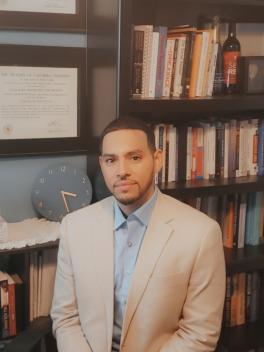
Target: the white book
pixel 172 153
pixel 153 64
pixel 168 67
pixel 226 152
pixel 202 63
pixel 165 145
pixel 177 86
pixel 189 154
pixel 209 151
pixel 212 66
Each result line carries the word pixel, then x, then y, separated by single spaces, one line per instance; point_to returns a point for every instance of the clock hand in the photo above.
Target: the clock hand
pixel 65 202
pixel 69 194
pixel 63 194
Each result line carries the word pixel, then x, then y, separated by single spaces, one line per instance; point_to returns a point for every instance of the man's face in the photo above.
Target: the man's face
pixel 129 166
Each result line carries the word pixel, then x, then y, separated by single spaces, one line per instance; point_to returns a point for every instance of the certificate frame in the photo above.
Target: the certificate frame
pixel 49 57
pixel 45 21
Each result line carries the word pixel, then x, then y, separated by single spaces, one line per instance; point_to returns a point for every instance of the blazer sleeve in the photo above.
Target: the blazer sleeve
pixel 200 325
pixel 64 312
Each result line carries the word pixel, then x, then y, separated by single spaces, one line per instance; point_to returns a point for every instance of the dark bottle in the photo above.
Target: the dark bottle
pixel 218 84
pixel 231 50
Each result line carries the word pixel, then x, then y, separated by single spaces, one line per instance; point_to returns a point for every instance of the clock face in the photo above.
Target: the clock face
pixel 60 189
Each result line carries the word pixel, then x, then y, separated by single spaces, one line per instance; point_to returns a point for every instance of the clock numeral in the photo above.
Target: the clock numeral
pixel 87 192
pixel 63 168
pixel 50 171
pixel 42 180
pixel 83 180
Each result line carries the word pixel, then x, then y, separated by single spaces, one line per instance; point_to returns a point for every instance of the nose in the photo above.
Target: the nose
pixel 123 169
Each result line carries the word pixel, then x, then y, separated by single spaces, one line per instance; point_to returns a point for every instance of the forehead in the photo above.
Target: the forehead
pixel 124 140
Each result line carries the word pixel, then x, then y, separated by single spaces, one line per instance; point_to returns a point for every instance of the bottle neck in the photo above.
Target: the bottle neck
pixel 232 30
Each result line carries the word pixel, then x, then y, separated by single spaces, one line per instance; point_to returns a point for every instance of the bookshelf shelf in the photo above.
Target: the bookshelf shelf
pixel 244 337
pixel 178 108
pixel 196 188
pixel 244 259
pixel 30 338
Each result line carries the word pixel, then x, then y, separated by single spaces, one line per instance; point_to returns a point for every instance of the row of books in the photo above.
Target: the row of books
pixel 176 62
pixel 42 270
pixel 241 217
pixel 244 301
pixel 209 150
pixel 12 304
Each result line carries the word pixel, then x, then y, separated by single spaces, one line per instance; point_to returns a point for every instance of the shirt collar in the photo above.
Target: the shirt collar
pixel 143 213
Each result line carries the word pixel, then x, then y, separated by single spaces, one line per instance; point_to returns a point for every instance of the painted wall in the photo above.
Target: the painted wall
pixel 18 173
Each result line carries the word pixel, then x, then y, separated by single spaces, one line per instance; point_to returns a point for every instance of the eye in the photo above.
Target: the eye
pixel 109 161
pixel 135 157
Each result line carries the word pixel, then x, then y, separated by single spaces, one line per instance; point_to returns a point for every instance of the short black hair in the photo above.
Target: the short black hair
pixel 129 123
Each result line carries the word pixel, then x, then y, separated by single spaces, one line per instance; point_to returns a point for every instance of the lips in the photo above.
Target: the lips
pixel 124 183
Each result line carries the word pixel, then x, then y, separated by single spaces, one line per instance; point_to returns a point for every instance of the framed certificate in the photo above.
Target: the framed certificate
pixel 48 15
pixel 42 100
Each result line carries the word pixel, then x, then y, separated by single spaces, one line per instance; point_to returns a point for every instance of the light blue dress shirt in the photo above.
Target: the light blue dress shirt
pixel 129 233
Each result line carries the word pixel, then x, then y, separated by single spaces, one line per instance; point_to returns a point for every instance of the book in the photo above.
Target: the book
pixel 20 302
pixel 195 63
pixel 168 67
pixel 148 33
pixel 153 65
pixel 162 30
pixel 137 63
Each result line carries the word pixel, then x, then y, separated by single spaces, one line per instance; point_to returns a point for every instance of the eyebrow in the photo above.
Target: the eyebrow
pixel 135 151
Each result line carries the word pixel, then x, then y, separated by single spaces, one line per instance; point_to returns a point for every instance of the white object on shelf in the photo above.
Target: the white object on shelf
pixel 3 230
pixel 30 232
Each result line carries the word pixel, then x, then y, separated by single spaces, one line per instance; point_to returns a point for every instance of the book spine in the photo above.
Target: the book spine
pixel 168 67
pixel 160 60
pixel 153 65
pixel 137 64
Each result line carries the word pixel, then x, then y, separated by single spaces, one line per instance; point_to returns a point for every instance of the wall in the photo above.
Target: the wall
pixel 18 173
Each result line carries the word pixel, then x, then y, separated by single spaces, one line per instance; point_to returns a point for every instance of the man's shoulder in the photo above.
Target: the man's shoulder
pixel 182 212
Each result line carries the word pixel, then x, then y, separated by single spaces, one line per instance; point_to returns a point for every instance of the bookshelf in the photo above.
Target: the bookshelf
pixel 17 260
pixel 182 110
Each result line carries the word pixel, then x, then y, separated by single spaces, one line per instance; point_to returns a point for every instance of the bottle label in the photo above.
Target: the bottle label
pixel 230 67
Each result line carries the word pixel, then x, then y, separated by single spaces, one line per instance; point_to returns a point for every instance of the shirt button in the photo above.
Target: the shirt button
pixel 129 243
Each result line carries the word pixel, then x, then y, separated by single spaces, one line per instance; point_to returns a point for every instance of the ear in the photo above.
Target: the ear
pixel 100 159
pixel 158 160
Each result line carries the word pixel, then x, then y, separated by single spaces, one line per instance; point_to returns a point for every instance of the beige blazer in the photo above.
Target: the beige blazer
pixel 176 297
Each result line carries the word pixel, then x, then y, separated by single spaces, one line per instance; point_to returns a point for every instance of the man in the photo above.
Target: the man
pixel 138 271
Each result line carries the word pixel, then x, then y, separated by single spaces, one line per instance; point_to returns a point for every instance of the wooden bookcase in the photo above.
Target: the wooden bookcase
pixel 181 110
pixel 17 261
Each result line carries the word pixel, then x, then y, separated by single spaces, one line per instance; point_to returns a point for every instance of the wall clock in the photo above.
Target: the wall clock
pixel 59 190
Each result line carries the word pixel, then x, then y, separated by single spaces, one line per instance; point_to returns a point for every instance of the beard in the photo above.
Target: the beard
pixel 137 196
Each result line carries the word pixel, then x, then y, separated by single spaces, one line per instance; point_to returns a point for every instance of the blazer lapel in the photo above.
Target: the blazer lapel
pixel 103 245
pixel 156 237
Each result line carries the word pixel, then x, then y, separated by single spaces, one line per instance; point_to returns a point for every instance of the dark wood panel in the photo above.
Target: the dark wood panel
pixel 244 337
pixel 197 188
pixel 244 259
